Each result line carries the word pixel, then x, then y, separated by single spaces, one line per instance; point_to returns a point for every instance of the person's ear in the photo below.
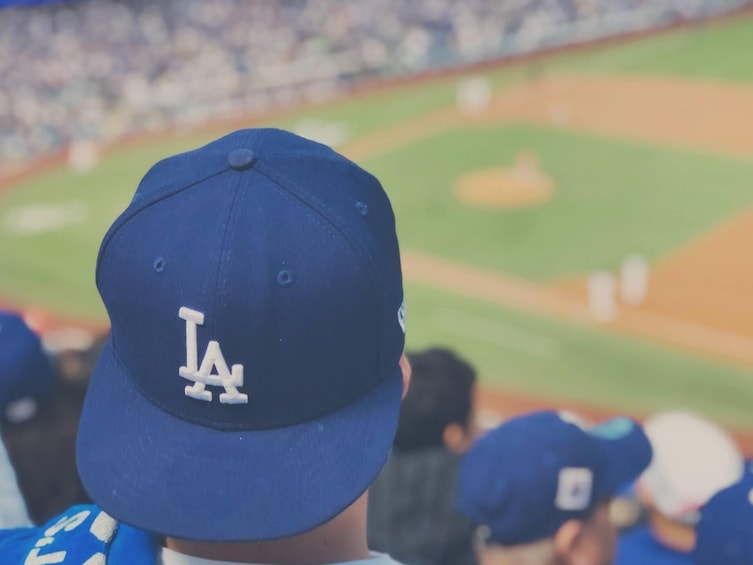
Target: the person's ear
pixel 455 438
pixel 406 369
pixel 643 494
pixel 566 540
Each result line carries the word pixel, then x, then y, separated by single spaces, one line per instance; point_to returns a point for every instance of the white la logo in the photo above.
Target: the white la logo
pixel 203 376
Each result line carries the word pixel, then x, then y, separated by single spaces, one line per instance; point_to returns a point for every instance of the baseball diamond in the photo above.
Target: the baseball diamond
pixel 571 164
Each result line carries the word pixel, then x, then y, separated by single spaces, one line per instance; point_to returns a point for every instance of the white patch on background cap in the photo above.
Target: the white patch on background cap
pixel 401 316
pixel 750 497
pixel 21 410
pixel 574 489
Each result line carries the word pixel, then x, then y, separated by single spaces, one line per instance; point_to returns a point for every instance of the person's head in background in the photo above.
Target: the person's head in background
pixel 75 353
pixel 40 414
pixel 724 532
pixel 693 460
pixel 539 487
pixel 438 410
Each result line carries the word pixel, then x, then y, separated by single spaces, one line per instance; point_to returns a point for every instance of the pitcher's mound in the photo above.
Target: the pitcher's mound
pixel 521 186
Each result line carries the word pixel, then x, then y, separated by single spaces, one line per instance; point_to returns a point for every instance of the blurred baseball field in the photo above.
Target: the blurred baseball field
pixel 573 163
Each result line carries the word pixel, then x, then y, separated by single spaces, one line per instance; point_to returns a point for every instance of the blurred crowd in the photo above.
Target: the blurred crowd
pixel 93 70
pixel 542 488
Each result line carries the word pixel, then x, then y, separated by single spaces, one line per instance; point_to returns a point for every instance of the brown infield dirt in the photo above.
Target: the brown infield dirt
pixel 699 298
pixel 521 186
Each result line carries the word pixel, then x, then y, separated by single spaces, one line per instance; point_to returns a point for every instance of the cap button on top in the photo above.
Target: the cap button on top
pixel 241 159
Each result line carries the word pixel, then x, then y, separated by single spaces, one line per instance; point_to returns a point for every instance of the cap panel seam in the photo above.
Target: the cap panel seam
pixel 224 255
pixel 334 220
pixel 129 214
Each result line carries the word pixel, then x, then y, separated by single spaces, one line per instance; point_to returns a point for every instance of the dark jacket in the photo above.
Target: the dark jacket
pixel 412 512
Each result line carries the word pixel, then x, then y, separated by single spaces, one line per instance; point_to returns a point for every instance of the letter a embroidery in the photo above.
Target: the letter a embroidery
pixel 229 379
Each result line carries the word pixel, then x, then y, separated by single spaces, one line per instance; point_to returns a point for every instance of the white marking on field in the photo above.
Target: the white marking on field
pixel 35 219
pixel 498 333
pixel 328 133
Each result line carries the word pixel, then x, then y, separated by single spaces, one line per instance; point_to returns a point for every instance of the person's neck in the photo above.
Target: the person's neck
pixel 341 539
pixel 676 536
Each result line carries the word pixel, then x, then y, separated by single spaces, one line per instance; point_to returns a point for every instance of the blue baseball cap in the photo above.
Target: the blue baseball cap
pixel 250 388
pixel 26 375
pixel 724 534
pixel 530 475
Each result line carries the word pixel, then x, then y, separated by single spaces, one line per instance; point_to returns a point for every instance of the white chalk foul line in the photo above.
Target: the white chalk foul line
pixel 497 333
pixel 507 291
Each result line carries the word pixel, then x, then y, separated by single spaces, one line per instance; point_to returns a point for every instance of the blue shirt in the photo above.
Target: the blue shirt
pixel 85 534
pixel 639 547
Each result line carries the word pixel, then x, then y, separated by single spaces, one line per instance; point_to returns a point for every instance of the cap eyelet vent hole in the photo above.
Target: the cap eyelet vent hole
pixel 284 278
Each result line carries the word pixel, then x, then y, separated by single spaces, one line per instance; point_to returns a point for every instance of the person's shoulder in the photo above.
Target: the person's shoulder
pixel 78 535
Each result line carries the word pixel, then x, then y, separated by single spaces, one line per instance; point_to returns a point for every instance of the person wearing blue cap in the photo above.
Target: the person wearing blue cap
pixel 724 533
pixel 26 375
pixel 249 392
pixel 539 488
pixel 26 378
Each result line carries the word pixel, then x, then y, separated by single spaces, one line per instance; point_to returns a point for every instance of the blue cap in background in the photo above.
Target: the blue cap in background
pixel 26 375
pixel 724 534
pixel 527 477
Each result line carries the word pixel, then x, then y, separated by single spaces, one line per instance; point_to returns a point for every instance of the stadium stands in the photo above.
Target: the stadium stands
pixel 101 69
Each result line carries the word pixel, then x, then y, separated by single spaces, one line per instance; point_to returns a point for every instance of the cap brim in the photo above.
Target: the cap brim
pixel 168 476
pixel 626 454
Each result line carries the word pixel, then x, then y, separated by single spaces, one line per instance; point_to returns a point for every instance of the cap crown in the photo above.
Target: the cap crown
pixel 254 283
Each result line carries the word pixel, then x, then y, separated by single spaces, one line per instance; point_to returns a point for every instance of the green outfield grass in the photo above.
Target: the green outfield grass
pixel 612 198
pixel 525 353
pixel 716 51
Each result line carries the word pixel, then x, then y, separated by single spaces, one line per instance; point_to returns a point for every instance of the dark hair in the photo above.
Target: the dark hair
pixel 440 394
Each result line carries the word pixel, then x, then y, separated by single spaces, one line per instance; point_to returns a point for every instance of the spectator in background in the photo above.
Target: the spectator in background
pixel 693 460
pixel 40 418
pixel 42 450
pixel 539 487
pixel 25 381
pixel 412 513
pixel 725 530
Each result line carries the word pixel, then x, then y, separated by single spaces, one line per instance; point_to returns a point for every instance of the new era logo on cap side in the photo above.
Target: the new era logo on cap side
pixel 202 375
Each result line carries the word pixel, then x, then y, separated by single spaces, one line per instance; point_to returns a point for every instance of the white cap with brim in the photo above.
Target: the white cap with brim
pixel 693 460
